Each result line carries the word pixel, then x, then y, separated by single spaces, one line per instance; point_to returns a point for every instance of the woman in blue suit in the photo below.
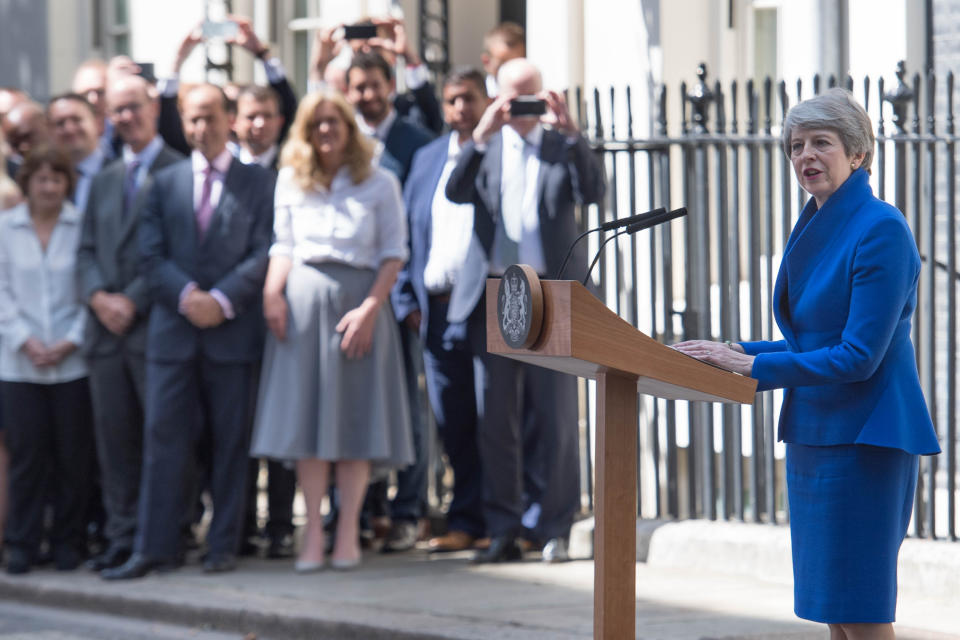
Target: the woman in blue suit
pixel 853 415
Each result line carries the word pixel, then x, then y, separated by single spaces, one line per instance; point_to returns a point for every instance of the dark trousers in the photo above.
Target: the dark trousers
pixel 410 502
pixel 529 443
pixel 185 401
pixel 281 489
pixel 49 435
pixel 281 485
pixel 449 368
pixel 117 391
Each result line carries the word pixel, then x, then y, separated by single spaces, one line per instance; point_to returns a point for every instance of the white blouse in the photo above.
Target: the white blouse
pixel 357 224
pixel 38 295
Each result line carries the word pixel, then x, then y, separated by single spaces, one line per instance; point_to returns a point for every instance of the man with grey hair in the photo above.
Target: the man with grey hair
pixel 523 180
pixel 116 292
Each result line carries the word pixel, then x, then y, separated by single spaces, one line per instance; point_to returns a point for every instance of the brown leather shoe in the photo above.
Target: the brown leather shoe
pixel 452 541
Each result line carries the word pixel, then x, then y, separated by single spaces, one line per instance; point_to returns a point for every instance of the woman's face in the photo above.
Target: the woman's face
pixel 820 161
pixel 47 188
pixel 328 131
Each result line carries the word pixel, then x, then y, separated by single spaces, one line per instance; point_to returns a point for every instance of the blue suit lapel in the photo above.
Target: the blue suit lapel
pixel 815 232
pixel 181 206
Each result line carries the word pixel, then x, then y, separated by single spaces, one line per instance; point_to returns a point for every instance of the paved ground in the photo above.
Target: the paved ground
pixel 26 622
pixel 418 596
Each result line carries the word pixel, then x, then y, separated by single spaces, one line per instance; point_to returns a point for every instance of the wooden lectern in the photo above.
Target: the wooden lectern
pixel 581 336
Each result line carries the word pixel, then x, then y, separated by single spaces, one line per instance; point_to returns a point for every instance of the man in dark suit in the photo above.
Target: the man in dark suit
pixel 370 83
pixel 440 234
pixel 523 181
pixel 108 272
pixel 204 238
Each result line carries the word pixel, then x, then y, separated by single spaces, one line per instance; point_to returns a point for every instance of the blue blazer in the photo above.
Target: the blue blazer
pixel 232 257
pixel 844 298
pixel 410 293
pixel 402 141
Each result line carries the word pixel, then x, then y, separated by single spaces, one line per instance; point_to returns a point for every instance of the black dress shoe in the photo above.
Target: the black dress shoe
pixel 66 558
pixel 501 549
pixel 281 546
pixel 137 566
pixel 248 548
pixel 219 563
pixel 18 562
pixel 111 558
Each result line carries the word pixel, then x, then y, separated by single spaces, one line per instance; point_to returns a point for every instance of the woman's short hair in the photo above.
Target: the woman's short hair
pixel 46 156
pixel 299 152
pixel 836 110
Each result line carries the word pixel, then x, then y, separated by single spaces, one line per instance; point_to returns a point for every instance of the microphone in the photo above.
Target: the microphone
pixel 659 217
pixel 609 226
pixel 623 222
pixel 653 221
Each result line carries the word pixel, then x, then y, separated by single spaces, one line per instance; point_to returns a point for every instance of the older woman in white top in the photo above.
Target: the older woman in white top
pixel 43 377
pixel 332 390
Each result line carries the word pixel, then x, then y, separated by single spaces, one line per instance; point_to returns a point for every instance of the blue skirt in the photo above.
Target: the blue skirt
pixel 850 506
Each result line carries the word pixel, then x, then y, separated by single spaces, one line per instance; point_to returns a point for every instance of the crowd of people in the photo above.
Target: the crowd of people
pixel 204 285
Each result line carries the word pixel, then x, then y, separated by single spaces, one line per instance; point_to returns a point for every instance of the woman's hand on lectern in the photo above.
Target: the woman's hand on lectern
pixel 725 355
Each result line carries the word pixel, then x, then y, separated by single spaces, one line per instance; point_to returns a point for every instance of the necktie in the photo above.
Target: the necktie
pixel 205 210
pixel 130 186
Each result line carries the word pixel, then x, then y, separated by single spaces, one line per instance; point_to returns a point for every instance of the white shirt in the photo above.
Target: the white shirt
pixel 38 295
pixel 356 224
pixel 520 216
pixel 245 156
pixel 451 228
pixel 381 130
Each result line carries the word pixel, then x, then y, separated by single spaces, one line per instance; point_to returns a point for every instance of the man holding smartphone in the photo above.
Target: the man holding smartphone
pixel 523 180
pixel 242 35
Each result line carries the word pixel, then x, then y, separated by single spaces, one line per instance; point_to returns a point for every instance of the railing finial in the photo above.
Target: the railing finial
pixel 900 98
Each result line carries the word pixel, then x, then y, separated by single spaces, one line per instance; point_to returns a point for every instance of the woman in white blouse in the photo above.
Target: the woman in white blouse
pixel 43 377
pixel 332 390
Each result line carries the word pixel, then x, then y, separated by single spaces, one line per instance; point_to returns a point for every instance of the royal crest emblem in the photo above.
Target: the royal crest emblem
pixel 519 306
pixel 514 308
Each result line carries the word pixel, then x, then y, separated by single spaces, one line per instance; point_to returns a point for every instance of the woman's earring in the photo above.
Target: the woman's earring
pixel 853 165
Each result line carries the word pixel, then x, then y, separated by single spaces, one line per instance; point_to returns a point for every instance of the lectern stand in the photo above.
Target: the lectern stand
pixel 581 336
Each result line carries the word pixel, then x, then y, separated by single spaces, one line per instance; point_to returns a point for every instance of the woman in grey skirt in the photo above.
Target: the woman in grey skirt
pixel 332 390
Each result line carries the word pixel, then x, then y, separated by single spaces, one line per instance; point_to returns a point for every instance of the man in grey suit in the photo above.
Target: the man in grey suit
pixel 109 280
pixel 523 180
pixel 204 238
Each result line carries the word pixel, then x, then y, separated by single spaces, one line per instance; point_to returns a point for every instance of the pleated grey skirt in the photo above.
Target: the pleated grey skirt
pixel 314 402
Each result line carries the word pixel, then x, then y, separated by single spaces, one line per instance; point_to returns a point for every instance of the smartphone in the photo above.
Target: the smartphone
pixel 359 31
pixel 223 29
pixel 146 71
pixel 527 106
